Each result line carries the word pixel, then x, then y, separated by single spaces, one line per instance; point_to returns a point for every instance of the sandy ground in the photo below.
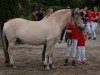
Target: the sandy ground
pixel 28 60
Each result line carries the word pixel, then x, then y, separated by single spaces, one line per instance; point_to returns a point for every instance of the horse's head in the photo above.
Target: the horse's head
pixel 76 16
pixel 75 13
pixel 76 19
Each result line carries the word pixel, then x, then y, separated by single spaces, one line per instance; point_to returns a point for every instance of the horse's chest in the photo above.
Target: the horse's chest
pixel 53 33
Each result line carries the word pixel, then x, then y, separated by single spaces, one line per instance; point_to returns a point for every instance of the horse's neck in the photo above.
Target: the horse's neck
pixel 60 21
pixel 60 18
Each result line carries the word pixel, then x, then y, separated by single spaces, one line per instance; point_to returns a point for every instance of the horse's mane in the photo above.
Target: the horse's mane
pixel 57 12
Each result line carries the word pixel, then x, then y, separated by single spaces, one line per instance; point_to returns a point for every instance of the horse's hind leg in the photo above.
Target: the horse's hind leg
pixel 10 51
pixel 5 47
pixel 6 54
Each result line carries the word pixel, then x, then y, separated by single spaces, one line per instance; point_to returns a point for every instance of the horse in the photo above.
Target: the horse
pixel 45 32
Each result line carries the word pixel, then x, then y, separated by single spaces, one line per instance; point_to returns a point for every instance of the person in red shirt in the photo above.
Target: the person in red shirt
pixel 95 17
pixel 72 36
pixel 81 47
pixel 89 23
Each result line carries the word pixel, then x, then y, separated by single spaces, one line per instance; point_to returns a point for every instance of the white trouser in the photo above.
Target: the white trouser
pixel 81 53
pixel 94 25
pixel 89 27
pixel 71 47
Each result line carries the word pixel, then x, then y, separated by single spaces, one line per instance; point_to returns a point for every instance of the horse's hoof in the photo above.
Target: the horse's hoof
pixel 6 62
pixel 8 65
pixel 14 67
pixel 47 67
pixel 44 66
pixel 45 63
pixel 52 66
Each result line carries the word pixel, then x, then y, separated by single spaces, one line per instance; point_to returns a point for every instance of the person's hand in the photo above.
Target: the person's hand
pixel 69 31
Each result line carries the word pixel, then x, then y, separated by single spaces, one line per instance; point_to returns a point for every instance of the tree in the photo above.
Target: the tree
pixel 8 10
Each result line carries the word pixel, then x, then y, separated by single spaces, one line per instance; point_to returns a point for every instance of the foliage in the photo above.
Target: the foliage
pixel 9 8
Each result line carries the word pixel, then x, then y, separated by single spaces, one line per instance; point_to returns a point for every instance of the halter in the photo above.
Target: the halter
pixel 73 16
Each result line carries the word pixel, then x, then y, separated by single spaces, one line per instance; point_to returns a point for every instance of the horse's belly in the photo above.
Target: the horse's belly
pixel 33 39
pixel 34 42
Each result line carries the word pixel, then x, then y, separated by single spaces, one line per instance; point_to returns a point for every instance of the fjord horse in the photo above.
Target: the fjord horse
pixel 45 32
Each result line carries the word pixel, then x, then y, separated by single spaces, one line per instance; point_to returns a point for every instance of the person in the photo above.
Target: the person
pixel 84 16
pixel 72 36
pixel 34 17
pixel 95 16
pixel 49 12
pixel 39 13
pixel 81 47
pixel 89 23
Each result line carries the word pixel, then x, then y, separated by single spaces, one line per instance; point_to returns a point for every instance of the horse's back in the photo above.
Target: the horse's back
pixel 16 21
pixel 14 24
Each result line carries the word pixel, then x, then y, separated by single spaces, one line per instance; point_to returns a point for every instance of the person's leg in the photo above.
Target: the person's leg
pixel 62 35
pixel 68 51
pixel 74 46
pixel 79 55
pixel 89 29
pixel 85 23
pixel 83 53
pixel 94 28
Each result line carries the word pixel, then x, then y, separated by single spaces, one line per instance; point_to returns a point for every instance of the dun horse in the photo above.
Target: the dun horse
pixel 44 32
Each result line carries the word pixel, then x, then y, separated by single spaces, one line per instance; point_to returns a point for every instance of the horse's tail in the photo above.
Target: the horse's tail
pixel 5 46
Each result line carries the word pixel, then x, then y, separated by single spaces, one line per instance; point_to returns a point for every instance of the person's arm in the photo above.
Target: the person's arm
pixel 68 28
pixel 85 36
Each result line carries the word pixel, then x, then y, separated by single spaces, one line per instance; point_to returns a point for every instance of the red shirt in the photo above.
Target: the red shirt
pixel 99 14
pixel 81 39
pixel 89 15
pixel 94 15
pixel 74 29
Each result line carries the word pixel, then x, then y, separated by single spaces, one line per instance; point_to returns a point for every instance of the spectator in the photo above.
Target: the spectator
pixel 72 36
pixel 39 13
pixel 34 17
pixel 89 23
pixel 95 16
pixel 49 12
pixel 81 47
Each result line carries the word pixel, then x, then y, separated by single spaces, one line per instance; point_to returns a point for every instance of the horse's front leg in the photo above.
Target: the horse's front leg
pixel 51 60
pixel 48 54
pixel 43 53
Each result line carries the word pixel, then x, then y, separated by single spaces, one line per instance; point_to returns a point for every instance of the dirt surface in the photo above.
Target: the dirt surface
pixel 28 60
